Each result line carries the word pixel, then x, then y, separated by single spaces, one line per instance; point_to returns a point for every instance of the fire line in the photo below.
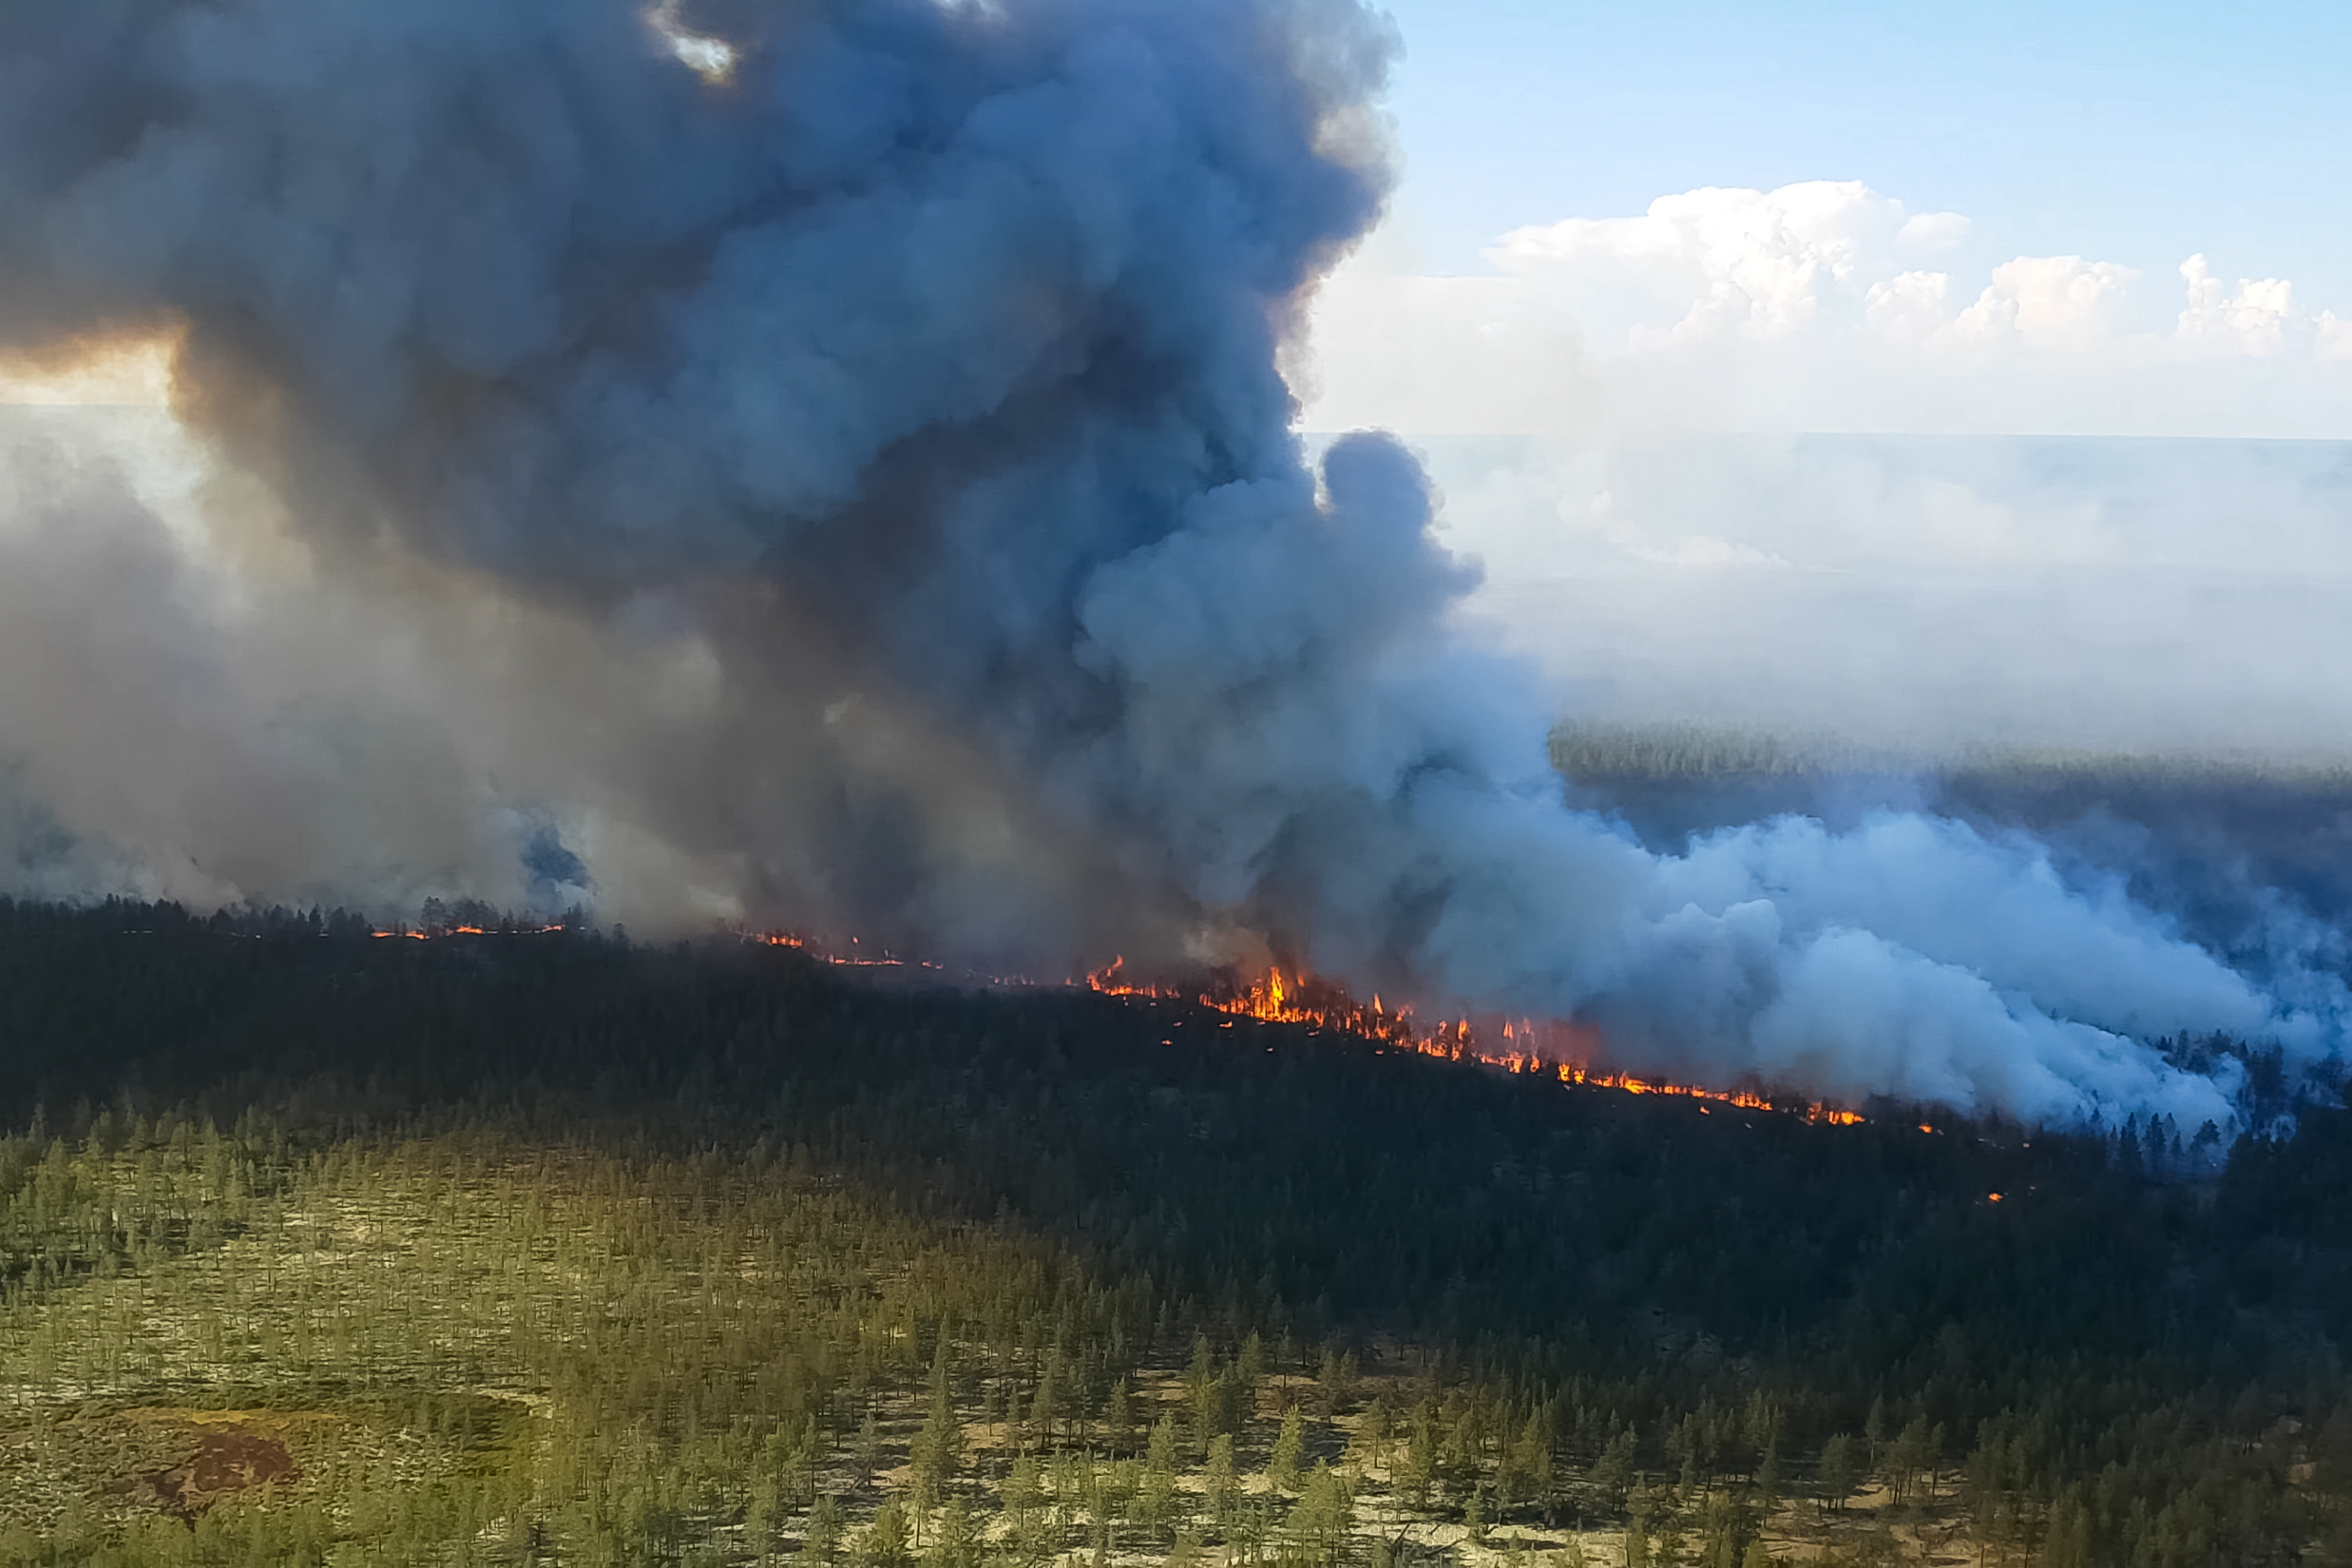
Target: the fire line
pixel 1298 999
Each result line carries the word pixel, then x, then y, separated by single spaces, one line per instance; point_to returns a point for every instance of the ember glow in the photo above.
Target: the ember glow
pixel 1520 1046
pixel 430 932
pixel 857 957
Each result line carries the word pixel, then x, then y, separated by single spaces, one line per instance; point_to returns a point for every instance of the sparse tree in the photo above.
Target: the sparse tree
pixel 823 1538
pixel 957 1543
pixel 886 1544
pixel 1222 1482
pixel 1156 1505
pixel 1118 1417
pixel 1841 1469
pixel 1282 1465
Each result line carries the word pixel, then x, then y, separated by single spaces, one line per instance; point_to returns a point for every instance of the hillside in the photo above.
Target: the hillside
pixel 547 1247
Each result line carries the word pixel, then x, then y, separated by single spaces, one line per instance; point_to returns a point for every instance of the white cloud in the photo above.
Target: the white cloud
pixel 1754 262
pixel 1932 231
pixel 2335 336
pixel 1703 552
pixel 1811 307
pixel 2047 301
pixel 2254 320
pixel 1909 307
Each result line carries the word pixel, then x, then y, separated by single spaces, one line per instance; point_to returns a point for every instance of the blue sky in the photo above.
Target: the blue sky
pixel 2138 133
pixel 1771 357
pixel 2004 219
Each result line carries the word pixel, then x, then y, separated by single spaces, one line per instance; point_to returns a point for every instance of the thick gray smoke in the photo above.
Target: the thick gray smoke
pixel 824 461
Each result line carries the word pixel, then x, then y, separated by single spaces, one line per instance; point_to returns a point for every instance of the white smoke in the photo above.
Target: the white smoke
pixel 848 480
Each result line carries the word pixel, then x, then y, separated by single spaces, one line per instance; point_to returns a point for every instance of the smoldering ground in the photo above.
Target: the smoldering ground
pixel 825 463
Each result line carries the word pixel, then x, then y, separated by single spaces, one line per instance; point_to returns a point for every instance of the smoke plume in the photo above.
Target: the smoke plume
pixel 824 461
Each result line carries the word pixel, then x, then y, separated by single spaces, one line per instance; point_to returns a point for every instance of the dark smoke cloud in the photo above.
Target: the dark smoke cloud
pixel 851 483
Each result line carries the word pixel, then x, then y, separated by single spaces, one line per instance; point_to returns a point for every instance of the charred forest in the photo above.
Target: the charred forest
pixel 546 1247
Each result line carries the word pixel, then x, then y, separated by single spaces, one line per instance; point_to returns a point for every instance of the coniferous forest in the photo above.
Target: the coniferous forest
pixel 320 1247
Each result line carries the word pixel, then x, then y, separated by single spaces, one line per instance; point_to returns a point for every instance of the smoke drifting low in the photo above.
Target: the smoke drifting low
pixel 836 472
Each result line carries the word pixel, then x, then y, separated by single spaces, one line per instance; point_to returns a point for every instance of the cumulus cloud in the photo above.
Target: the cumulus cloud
pixel 2047 301
pixel 2254 320
pixel 1932 231
pixel 1755 263
pixel 1908 308
pixel 1822 305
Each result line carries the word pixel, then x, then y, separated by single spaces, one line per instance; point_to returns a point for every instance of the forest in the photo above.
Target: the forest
pixel 527 1246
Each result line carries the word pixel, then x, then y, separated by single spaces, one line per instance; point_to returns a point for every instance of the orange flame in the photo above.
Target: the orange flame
pixel 398 931
pixel 1322 1005
pixel 855 959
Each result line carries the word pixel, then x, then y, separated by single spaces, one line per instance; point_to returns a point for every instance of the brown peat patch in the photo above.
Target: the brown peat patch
pixel 228 1460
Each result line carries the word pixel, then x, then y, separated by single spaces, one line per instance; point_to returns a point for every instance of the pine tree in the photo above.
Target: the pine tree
pixel 885 1543
pixel 1282 1465
pixel 939 1447
pixel 1325 1517
pixel 1029 1533
pixel 1118 1417
pixel 958 1544
pixel 764 1514
pixel 1420 1468
pixel 1612 1472
pixel 1335 1381
pixel 1044 1400
pixel 1769 1478
pixel 1023 1491
pixel 1841 1469
pixel 1249 1370
pixel 1222 1482
pixel 1202 1393
pixel 824 1532
pixel 1157 1504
